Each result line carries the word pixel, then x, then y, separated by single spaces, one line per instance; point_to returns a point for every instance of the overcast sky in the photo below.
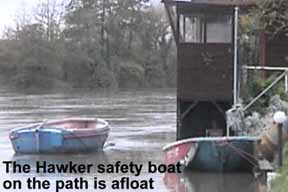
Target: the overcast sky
pixel 8 9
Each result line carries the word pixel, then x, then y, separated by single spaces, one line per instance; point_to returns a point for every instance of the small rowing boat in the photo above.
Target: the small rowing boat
pixel 61 136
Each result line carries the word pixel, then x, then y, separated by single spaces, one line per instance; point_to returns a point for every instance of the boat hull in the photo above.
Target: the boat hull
pixel 49 139
pixel 215 154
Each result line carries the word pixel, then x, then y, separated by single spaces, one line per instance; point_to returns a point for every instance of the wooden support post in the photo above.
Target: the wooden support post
pixel 171 21
pixel 187 111
pixel 184 28
pixel 219 109
pixel 280 144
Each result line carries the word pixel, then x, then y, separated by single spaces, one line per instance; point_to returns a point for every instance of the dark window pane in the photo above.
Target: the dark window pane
pixel 219 29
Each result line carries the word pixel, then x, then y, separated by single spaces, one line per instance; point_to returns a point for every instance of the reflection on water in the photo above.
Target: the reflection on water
pixel 208 182
pixel 141 122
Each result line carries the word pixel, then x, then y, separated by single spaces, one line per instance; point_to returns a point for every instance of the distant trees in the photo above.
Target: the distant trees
pixel 91 44
pixel 33 55
pixel 121 42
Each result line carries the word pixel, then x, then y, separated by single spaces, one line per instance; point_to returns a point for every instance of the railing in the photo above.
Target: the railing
pixel 279 78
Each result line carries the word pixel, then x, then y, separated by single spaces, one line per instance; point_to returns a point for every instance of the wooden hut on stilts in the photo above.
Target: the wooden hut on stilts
pixel 206 36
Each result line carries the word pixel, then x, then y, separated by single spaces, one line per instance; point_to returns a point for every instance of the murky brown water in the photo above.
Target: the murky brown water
pixel 141 122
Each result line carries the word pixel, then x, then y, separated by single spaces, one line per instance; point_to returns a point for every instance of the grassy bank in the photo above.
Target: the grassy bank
pixel 280 184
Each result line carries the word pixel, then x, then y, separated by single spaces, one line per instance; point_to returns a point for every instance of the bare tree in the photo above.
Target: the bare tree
pixel 21 19
pixel 49 14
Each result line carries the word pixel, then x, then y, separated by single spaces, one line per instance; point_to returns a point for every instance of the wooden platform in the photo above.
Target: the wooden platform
pixel 265 167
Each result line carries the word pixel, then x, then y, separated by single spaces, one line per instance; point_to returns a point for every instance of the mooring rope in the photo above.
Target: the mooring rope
pixel 245 155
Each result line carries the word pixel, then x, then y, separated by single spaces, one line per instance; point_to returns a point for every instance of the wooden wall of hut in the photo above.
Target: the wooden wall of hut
pixel 274 50
pixel 205 71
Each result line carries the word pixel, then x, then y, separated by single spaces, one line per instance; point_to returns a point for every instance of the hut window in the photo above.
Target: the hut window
pixel 192 28
pixel 219 29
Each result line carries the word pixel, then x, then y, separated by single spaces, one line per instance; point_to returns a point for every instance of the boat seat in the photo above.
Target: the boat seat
pixel 75 125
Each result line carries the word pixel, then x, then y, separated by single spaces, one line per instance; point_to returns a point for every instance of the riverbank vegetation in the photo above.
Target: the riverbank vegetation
pixel 89 44
pixel 279 184
pixel 268 19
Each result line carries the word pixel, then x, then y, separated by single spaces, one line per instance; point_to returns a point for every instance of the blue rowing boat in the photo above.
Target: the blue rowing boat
pixel 61 136
pixel 214 154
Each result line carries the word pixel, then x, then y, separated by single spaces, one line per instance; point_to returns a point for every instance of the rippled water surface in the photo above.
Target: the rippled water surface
pixel 142 122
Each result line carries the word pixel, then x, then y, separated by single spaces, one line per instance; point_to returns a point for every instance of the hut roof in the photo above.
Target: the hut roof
pixel 213 2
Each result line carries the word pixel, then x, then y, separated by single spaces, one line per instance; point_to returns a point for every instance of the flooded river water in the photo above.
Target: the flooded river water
pixel 141 122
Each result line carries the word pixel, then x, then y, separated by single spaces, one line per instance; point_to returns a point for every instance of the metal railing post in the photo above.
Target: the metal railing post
pixel 286 82
pixel 235 88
